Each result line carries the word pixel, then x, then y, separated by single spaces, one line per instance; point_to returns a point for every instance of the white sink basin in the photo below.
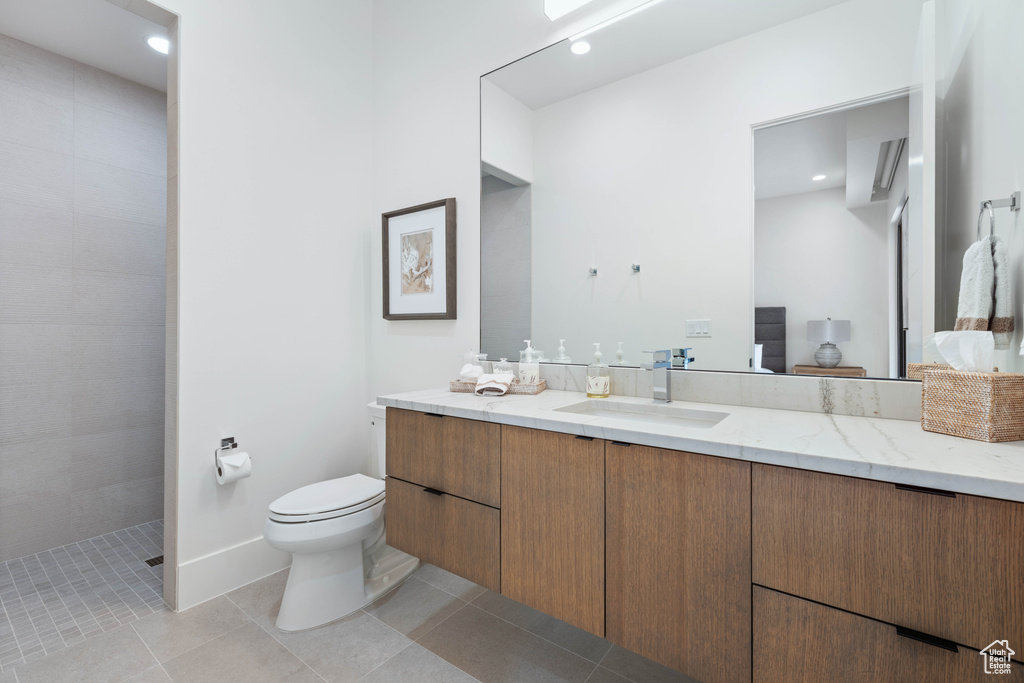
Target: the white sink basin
pixel 649 412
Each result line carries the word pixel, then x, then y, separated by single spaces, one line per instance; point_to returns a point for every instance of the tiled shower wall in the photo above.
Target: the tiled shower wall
pixel 82 295
pixel 505 257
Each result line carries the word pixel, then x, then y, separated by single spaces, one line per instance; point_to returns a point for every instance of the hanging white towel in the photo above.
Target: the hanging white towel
pixel 1002 324
pixel 976 283
pixel 985 302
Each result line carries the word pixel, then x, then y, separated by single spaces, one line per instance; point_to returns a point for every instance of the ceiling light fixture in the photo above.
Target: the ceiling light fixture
pixel 159 43
pixel 616 18
pixel 818 177
pixel 581 47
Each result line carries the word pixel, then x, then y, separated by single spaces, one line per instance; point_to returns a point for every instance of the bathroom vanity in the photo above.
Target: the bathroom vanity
pixel 757 545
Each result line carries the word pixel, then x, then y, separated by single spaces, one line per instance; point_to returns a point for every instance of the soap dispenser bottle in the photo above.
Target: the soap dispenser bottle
pixel 529 368
pixel 620 356
pixel 561 357
pixel 599 384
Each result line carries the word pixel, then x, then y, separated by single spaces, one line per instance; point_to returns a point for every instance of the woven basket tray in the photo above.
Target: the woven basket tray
pixel 461 387
pixel 984 406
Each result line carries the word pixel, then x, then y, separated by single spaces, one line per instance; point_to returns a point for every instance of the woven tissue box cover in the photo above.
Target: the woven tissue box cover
pixel 985 406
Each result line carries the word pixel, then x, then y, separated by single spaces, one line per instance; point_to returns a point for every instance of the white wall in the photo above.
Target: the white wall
pixel 433 54
pixel 819 259
pixel 506 140
pixel 656 169
pixel 275 119
pixel 980 56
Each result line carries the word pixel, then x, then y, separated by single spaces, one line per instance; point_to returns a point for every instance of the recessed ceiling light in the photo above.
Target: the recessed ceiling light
pixel 818 177
pixel 159 43
pixel 580 47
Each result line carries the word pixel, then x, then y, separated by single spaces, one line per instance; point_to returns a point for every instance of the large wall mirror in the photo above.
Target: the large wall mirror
pixel 753 181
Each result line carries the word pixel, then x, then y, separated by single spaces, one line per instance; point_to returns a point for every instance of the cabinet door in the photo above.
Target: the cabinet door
pixel 949 565
pixel 459 457
pixel 455 534
pixel 678 560
pixel 552 524
pixel 798 641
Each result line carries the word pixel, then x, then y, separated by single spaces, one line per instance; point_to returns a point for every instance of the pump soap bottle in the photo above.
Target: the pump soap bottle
pixel 598 381
pixel 529 368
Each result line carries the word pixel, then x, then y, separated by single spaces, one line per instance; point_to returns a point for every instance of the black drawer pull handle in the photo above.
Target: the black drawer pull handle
pixel 621 443
pixel 585 438
pixel 431 491
pixel 927 639
pixel 433 414
pixel 921 489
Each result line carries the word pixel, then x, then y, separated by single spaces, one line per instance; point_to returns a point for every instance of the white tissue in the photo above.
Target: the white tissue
pixel 233 467
pixel 470 372
pixel 967 351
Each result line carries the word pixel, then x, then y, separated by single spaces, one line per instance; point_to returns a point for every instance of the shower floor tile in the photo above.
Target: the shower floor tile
pixel 59 597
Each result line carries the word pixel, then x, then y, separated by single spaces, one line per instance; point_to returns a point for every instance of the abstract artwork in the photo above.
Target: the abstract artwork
pixel 418 262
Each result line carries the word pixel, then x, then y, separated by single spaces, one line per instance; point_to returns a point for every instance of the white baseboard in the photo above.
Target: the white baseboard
pixel 207 577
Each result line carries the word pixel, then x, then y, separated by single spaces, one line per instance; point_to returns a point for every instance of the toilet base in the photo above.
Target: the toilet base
pixel 325 587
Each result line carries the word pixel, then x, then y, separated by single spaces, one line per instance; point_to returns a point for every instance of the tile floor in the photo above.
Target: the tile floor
pixel 58 598
pixel 435 627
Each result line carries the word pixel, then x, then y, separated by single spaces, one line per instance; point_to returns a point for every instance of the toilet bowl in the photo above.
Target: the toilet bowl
pixel 335 532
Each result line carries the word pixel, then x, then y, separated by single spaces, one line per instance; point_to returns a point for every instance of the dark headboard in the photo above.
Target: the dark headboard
pixel 770 331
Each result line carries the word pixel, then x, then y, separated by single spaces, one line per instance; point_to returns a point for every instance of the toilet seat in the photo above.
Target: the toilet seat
pixel 328 499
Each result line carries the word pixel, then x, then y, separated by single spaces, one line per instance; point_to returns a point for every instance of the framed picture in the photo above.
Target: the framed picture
pixel 419 262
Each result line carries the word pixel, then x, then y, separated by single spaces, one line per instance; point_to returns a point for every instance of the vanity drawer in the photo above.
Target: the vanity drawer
pixel 944 564
pixel 799 641
pixel 458 535
pixel 460 457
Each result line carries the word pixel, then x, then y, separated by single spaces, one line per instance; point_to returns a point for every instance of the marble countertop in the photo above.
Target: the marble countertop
pixel 897 451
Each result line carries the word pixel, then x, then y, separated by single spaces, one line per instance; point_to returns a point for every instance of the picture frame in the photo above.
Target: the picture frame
pixel 419 262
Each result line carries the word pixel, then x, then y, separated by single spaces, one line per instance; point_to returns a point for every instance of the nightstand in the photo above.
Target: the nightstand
pixel 841 371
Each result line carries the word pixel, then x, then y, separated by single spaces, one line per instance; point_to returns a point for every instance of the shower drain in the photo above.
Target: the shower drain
pixel 154 561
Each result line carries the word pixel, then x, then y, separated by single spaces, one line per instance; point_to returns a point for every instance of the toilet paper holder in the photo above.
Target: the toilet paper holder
pixel 225 445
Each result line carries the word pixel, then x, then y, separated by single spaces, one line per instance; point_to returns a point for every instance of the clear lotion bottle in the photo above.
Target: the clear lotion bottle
pixel 599 383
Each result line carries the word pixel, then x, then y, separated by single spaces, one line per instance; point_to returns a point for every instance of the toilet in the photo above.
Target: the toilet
pixel 335 532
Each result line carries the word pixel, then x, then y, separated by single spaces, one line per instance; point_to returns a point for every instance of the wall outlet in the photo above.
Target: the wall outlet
pixel 698 328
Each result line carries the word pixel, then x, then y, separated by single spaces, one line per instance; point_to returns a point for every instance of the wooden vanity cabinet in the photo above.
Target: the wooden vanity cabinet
pixel 949 565
pixel 552 524
pixel 450 454
pixel 453 533
pixel 678 559
pixel 798 641
pixel 443 493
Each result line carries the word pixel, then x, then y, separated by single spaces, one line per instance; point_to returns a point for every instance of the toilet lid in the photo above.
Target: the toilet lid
pixel 329 496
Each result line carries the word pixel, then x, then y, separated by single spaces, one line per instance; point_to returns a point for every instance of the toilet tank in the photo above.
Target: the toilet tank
pixel 378 440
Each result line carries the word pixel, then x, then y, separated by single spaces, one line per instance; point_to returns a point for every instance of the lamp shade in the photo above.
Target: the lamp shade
pixel 819 331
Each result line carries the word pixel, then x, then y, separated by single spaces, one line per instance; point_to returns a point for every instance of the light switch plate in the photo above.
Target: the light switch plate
pixel 698 328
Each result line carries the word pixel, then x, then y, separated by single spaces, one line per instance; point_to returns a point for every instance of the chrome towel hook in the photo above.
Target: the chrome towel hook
pixel 987 204
pixel 1013 204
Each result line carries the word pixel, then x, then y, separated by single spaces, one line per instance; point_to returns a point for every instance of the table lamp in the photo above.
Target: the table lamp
pixel 827 332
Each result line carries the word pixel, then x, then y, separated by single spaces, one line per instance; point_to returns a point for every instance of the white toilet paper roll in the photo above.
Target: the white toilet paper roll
pixel 233 467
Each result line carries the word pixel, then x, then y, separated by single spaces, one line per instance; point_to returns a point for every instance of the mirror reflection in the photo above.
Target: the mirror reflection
pixel 832 289
pixel 657 190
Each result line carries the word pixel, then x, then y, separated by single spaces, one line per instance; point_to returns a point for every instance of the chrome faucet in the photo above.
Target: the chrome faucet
pixel 663 361
pixel 662 384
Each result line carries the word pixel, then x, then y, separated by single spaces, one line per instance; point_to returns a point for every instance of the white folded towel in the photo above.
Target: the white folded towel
pixel 494 385
pixel 985 302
